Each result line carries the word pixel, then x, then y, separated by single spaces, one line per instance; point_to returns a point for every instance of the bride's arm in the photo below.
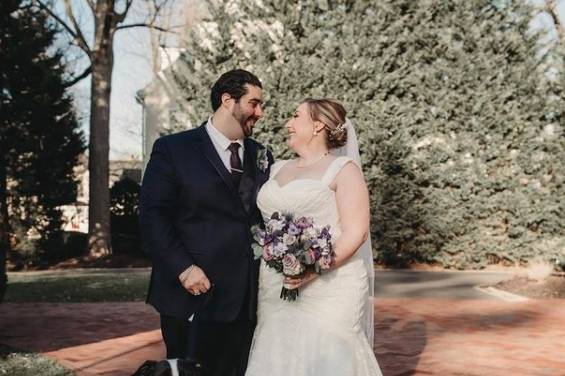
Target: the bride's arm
pixel 352 199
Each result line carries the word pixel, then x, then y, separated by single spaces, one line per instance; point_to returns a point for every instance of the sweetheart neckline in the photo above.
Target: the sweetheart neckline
pixel 302 179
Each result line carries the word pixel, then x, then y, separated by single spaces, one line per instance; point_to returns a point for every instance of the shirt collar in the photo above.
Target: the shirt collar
pixel 219 137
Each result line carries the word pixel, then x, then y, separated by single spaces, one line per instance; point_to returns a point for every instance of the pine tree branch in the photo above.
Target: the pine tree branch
pixel 81 43
pixel 551 7
pixel 78 78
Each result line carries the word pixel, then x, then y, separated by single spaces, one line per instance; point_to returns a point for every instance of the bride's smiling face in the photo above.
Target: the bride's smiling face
pixel 300 127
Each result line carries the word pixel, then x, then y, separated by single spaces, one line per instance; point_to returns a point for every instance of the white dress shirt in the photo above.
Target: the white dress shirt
pixel 221 143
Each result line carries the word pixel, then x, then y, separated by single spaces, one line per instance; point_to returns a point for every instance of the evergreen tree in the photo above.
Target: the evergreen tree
pixel 40 140
pixel 460 121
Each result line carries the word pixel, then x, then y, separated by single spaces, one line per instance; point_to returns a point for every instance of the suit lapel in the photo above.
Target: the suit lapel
pixel 211 154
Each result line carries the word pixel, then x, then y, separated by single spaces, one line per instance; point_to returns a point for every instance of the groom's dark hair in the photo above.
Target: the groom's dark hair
pixel 232 83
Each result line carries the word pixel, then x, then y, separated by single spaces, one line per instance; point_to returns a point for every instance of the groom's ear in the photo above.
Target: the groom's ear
pixel 227 100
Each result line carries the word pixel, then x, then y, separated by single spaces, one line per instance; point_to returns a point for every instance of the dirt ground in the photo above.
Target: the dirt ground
pixel 551 288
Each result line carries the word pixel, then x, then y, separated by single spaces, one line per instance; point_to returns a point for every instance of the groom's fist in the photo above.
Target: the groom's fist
pixel 194 280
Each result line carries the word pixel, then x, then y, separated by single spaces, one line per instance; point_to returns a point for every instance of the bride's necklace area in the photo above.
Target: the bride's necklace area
pixel 313 162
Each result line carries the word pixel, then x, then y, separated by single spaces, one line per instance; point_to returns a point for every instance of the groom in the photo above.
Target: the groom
pixel 197 207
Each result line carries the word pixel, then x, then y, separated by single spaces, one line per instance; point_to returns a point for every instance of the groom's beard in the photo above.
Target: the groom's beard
pixel 247 125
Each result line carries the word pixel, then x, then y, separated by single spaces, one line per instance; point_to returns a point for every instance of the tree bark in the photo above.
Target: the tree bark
pixel 4 227
pixel 102 60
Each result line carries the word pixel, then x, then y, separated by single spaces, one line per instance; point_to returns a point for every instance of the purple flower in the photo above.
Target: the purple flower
pixel 304 222
pixel 325 262
pixel 310 256
pixel 260 236
pixel 268 252
pixel 279 249
pixel 293 229
pixel 291 265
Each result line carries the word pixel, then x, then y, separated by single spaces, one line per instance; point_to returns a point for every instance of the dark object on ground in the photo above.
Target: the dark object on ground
pixel 551 288
pixel 163 368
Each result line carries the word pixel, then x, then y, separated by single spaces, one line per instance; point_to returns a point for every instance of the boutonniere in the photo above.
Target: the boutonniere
pixel 262 159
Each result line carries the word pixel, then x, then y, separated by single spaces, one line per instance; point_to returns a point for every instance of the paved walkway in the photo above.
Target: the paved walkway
pixel 422 334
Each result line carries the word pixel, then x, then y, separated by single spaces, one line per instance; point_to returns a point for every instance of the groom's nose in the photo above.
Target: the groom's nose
pixel 259 111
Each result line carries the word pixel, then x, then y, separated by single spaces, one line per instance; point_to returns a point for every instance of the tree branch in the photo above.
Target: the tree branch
pixel 91 4
pixel 551 7
pixel 83 46
pixel 120 17
pixel 78 78
pixel 148 25
pixel 81 39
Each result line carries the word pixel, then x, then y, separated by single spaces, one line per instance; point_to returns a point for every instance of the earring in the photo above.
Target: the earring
pixel 315 133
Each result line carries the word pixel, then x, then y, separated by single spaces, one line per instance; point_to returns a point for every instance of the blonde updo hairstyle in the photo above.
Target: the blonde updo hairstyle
pixel 332 114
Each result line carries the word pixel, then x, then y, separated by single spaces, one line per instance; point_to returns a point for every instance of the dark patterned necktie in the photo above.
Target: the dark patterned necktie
pixel 235 163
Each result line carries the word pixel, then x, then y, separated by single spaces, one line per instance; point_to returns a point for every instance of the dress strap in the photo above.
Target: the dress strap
pixel 334 169
pixel 276 167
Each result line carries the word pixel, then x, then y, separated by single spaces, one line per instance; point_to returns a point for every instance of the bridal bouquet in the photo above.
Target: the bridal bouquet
pixel 293 246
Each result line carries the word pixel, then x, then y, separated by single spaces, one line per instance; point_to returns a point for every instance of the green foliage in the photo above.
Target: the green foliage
pixel 459 118
pixel 40 140
pixel 124 197
pixel 124 209
pixel 21 363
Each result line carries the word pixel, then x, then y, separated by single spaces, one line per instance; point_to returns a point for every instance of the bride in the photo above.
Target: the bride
pixel 328 330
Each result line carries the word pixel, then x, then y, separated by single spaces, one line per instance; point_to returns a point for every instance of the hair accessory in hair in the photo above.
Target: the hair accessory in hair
pixel 339 129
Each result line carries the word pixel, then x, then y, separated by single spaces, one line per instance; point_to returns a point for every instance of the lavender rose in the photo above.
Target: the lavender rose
pixel 289 239
pixel 268 252
pixel 291 265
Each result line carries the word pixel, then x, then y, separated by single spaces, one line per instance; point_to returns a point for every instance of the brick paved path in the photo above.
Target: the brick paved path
pixel 414 336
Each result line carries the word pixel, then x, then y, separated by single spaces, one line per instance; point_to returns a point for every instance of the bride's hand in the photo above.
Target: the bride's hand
pixel 296 282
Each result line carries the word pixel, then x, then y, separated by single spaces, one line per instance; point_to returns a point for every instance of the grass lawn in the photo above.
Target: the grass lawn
pixel 78 286
pixel 15 362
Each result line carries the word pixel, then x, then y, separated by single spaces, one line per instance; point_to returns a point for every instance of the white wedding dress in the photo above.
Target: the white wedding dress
pixel 319 334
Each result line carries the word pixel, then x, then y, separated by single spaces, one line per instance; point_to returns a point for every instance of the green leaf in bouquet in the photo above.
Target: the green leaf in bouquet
pixel 257 250
pixel 277 265
pixel 306 244
pixel 317 268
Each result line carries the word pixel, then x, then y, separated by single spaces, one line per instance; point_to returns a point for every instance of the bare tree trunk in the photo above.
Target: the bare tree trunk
pixel 4 227
pixel 99 232
pixel 107 20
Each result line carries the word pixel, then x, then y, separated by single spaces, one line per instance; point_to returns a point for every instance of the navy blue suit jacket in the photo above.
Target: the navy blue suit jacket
pixel 191 212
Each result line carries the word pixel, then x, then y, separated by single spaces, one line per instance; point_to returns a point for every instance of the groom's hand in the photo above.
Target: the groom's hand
pixel 194 280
